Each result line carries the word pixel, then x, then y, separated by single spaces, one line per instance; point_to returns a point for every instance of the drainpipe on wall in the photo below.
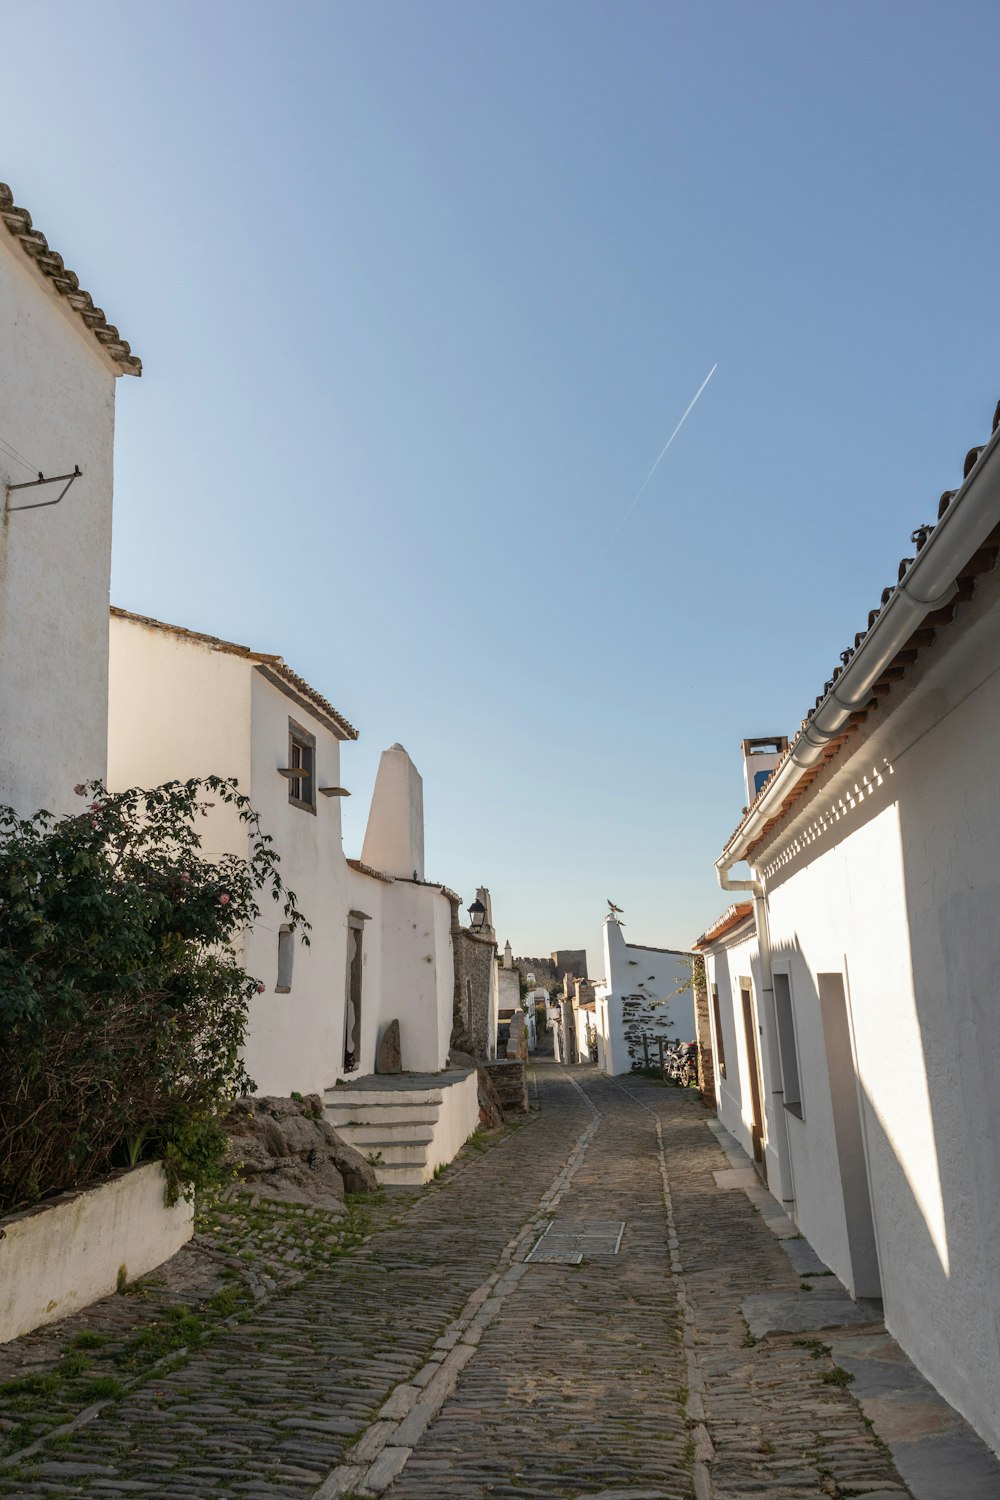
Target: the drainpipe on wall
pixel 786 1183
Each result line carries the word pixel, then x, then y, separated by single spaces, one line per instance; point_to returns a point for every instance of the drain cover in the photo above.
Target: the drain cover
pixel 567 1241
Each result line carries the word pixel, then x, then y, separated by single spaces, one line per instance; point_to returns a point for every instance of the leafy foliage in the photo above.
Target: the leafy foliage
pixel 694 963
pixel 123 1001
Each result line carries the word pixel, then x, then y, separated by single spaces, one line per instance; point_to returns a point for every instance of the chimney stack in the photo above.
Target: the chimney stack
pixel 759 759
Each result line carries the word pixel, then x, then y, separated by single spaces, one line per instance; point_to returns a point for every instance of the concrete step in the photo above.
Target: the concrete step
pixel 374 1132
pixel 357 1114
pixel 397 1153
pixel 390 1175
pixel 343 1093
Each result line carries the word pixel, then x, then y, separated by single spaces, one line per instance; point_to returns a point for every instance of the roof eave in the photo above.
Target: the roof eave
pixel 966 522
pixel 55 277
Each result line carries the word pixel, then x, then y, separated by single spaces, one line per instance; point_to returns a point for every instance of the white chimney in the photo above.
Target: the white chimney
pixel 759 759
pixel 394 838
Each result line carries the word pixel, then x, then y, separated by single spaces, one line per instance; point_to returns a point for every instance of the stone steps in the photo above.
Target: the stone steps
pixel 404 1124
pixel 344 1093
pixel 355 1115
pixel 379 1131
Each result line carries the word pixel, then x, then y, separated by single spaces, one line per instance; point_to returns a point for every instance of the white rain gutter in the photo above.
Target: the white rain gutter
pixel 927 585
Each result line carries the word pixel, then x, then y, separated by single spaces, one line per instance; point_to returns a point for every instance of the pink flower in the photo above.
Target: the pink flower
pixel 261 988
pixel 223 899
pixel 95 807
pixel 80 789
pixel 185 877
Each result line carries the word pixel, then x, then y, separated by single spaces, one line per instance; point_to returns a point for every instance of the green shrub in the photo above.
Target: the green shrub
pixel 123 1001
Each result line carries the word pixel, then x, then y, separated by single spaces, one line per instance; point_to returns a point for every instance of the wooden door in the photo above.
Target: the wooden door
pixel 753 1065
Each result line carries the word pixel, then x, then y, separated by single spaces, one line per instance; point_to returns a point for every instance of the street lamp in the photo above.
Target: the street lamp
pixel 477 916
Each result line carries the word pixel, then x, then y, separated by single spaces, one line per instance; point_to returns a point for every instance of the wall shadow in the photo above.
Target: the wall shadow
pixel 915 926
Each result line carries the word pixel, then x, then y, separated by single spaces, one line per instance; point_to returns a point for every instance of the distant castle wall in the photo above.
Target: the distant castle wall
pixel 562 961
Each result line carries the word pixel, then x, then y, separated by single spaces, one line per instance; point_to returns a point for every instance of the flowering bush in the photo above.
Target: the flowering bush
pixel 123 999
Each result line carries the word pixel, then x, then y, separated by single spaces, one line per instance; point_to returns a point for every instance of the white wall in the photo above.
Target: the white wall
pixel 890 877
pixel 63 1255
pixel 726 963
pixel 296 1041
pixel 494 1012
pixel 457 1118
pixel 367 894
pixel 651 973
pixel 418 973
pixel 179 708
pixel 57 398
pixel 508 989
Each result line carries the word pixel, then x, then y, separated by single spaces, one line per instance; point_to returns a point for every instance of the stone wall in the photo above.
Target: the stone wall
pixel 570 961
pixel 543 969
pixel 510 1079
pixel 706 1068
pixel 549 971
pixel 475 958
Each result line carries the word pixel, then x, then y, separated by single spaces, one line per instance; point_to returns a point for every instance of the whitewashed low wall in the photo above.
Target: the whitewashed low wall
pixel 63 1255
pixel 458 1118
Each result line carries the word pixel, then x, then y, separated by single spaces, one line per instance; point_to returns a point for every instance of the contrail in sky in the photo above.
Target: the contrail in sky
pixel 642 488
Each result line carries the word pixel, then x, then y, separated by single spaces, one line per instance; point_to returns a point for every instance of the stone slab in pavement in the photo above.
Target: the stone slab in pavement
pixel 736 1177
pixel 935 1450
pixel 802 1312
pixel 804 1258
pixel 948 1466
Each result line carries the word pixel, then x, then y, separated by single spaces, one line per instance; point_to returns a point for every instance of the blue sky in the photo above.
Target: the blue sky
pixel 422 289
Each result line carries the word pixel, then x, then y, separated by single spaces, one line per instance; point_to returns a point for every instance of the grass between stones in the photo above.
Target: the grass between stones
pixel 255 1251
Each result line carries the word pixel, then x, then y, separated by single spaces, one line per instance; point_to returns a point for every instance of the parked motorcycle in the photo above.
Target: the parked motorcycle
pixel 680 1064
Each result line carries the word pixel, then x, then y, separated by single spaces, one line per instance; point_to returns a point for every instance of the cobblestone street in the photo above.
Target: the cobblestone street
pixel 434 1360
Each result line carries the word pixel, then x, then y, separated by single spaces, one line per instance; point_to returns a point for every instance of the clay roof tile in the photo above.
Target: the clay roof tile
pixel 51 264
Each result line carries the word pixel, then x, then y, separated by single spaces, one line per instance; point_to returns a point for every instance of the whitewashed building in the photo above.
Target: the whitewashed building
pixel 59 360
pixel 644 999
pixel 184 704
pixel 853 991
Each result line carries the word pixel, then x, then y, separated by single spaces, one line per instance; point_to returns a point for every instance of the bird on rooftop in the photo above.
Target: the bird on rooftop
pixel 614 907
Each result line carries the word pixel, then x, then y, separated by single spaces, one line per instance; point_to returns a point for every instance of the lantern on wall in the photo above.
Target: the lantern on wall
pixel 477 916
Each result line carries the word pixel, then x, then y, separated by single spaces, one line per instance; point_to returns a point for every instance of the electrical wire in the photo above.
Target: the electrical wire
pixel 18 458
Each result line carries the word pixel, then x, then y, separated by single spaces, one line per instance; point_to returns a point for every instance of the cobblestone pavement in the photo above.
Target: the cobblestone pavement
pixel 580 1386
pixel 434 1361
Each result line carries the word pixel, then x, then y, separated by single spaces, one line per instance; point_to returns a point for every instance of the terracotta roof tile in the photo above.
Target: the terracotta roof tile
pixel 66 283
pixel 356 864
pixel 731 917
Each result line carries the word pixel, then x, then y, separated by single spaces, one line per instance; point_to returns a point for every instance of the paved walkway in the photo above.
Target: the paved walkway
pixel 437 1361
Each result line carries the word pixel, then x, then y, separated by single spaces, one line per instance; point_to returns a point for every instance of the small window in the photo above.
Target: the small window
pixel 720 1050
pixel 786 1044
pixel 302 764
pixel 286 958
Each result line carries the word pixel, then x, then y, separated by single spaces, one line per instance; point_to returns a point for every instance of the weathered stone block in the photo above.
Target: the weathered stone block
pixel 510 1079
pixel 389 1057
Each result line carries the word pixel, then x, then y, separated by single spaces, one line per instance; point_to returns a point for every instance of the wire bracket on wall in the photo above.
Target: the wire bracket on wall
pixel 34 484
